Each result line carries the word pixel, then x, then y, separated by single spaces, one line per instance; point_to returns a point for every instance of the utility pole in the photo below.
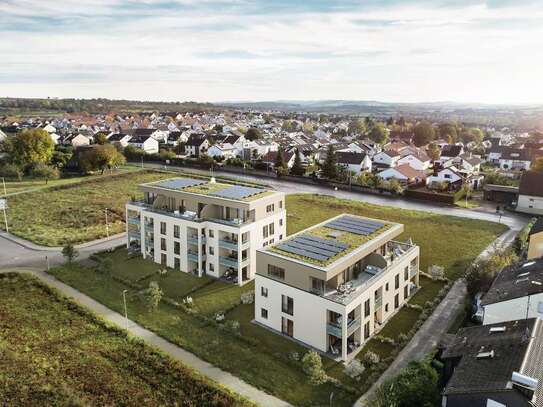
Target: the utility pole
pixel 4 182
pixel 142 161
pixel 107 226
pixel 125 309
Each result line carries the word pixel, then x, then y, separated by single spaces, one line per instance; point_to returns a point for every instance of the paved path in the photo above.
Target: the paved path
pixel 224 378
pixel 429 334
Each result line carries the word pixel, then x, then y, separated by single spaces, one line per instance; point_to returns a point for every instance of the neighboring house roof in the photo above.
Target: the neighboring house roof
pixel 409 172
pixel 517 154
pixel 509 351
pixel 451 150
pixel 232 139
pixel 118 137
pixel 390 153
pixel 531 183
pixel 516 281
pixel 143 131
pixel 139 139
pixel 471 159
pixel 347 157
pixel 537 227
pixel 196 140
pixel 271 156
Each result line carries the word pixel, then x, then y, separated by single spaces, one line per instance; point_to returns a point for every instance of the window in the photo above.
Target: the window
pixel 270 208
pixel 176 263
pixel 317 285
pixel 163 259
pixel 162 228
pixel 176 248
pixel 386 307
pixel 366 308
pixel 162 244
pixel 397 281
pixel 287 327
pixel 272 228
pixel 366 330
pixel 265 231
pixel 211 267
pixel 211 250
pixel 281 204
pixel 211 233
pixel 287 305
pixel 281 222
pixel 264 292
pixel 406 273
pixel 386 287
pixel 280 237
pixel 276 272
pixel 405 292
pixel 176 231
pixel 447 176
pixel 396 301
pixel 264 313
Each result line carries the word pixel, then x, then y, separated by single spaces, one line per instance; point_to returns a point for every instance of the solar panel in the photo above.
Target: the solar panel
pixel 313 247
pixel 237 192
pixel 329 242
pixel 355 225
pixel 289 249
pixel 179 183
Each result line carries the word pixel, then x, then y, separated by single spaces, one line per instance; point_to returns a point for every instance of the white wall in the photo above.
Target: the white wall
pixel 512 310
pixel 530 204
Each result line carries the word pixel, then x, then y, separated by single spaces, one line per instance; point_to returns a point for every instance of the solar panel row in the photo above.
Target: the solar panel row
pixel 354 225
pixel 328 242
pixel 313 247
pixel 289 249
pixel 237 192
pixel 179 183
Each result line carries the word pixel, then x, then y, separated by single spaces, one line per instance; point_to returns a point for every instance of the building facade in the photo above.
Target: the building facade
pixel 205 228
pixel 336 284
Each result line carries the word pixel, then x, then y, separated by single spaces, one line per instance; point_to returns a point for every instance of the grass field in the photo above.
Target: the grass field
pixel 53 352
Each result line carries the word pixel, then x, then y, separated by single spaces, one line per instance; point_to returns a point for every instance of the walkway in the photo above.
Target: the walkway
pixel 429 334
pixel 224 378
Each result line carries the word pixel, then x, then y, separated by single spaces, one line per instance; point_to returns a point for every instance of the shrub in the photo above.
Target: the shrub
pixel 371 358
pixel 105 266
pixel 248 297
pixel 354 368
pixel 11 171
pixel 312 366
pixel 153 295
pixel 69 252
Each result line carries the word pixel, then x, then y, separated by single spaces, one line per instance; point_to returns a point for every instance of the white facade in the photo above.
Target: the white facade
pixel 445 175
pixel 513 309
pixel 150 145
pixel 414 162
pixel 530 204
pixel 384 158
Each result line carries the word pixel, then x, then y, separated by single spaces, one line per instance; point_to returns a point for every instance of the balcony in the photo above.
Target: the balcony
pixel 134 221
pixel 194 240
pixel 378 302
pixel 134 234
pixel 231 262
pixel 228 222
pixel 228 244
pixel 335 329
pixel 413 271
pixel 193 256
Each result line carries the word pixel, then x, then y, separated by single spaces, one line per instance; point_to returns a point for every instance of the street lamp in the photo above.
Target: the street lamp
pixel 125 310
pixel 107 226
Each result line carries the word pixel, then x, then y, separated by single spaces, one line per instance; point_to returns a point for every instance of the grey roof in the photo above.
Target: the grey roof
pixel 490 374
pixel 531 183
pixel 348 157
pixel 537 227
pixel 516 281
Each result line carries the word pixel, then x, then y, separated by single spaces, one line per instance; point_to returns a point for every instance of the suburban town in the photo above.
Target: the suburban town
pixel 238 250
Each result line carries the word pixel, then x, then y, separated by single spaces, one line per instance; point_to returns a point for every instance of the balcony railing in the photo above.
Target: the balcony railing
pixel 334 329
pixel 378 302
pixel 134 221
pixel 413 271
pixel 194 240
pixel 193 256
pixel 231 262
pixel 228 244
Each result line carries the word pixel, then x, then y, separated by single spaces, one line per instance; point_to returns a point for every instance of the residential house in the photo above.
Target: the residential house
pixel 224 150
pixel 535 240
pixel 147 143
pixel 205 228
pixel 530 199
pixel 196 144
pixel 449 175
pixel 354 162
pixel 516 293
pixel 416 159
pixel 271 157
pixel 404 173
pixel 497 365
pixel 450 151
pixel 120 138
pixel 386 159
pixel 80 140
pixel 515 159
pixel 335 285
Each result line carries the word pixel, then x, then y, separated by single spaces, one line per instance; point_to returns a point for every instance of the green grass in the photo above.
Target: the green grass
pixel 402 322
pixel 53 352
pixel 447 241
pixel 427 292
pixel 219 296
pixel 75 213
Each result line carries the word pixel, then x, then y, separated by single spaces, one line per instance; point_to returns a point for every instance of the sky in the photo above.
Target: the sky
pixel 488 51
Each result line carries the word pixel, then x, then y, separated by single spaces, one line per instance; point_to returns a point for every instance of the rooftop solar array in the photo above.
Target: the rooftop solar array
pixel 179 183
pixel 237 192
pixel 313 247
pixel 355 225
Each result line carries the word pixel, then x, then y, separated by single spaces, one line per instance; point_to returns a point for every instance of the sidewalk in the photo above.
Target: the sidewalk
pixel 224 378
pixel 36 247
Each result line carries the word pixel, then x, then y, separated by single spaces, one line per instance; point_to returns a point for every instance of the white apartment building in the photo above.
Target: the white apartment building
pixel 205 228
pixel 336 284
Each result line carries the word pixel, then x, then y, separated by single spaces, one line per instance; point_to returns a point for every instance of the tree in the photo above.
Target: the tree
pixel 48 172
pixel 31 147
pixel 416 385
pixel 329 168
pixel 538 164
pixel 100 138
pixel 424 133
pixel 379 133
pixel 474 135
pixel 11 171
pixel 433 151
pixel 153 295
pixel 280 162
pixel 69 252
pixel 133 153
pixel 448 131
pixel 480 275
pixel 60 158
pixel 357 127
pixel 368 122
pixel 297 168
pixel 253 134
pixel 312 367
pixel 100 157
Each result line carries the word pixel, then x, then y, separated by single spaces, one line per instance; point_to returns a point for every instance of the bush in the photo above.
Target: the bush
pixel 105 266
pixel 69 252
pixel 371 358
pixel 312 366
pixel 11 171
pixel 153 295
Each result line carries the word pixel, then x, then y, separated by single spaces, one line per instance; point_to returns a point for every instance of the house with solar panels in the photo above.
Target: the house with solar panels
pixel 205 227
pixel 336 284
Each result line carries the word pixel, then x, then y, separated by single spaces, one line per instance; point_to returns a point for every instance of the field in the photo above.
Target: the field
pixel 53 352
pixel 249 350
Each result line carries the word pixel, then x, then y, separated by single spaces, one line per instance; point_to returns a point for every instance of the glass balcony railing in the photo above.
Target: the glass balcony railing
pixel 378 302
pixel 194 240
pixel 192 256
pixel 333 329
pixel 228 244
pixel 231 262
pixel 134 221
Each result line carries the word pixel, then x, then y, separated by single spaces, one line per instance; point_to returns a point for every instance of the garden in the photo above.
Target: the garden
pixel 54 352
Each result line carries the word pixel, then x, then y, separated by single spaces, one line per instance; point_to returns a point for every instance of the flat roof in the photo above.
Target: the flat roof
pixel 202 187
pixel 329 241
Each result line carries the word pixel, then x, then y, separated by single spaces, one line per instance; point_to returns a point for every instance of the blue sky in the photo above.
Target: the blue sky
pixel 487 51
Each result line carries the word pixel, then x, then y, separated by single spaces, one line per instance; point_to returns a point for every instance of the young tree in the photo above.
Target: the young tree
pixel 312 366
pixel 280 162
pixel 100 138
pixel 297 168
pixel 69 252
pixel 45 171
pixel 424 133
pixel 253 134
pixel 433 151
pixel 379 133
pixel 153 295
pixel 329 168
pixel 31 147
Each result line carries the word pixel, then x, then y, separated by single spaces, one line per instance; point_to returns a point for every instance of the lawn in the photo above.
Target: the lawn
pixel 53 352
pixel 75 213
pixel 402 322
pixel 427 292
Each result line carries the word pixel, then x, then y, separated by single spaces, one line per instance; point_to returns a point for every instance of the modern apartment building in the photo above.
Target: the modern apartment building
pixel 336 284
pixel 205 227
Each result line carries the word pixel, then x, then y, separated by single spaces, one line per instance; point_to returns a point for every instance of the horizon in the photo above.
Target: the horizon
pixel 243 51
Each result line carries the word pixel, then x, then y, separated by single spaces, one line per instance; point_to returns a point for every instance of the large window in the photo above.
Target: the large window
pixel 163 259
pixel 367 308
pixel 176 233
pixel 176 263
pixel 264 292
pixel 405 292
pixel 397 281
pixel 317 285
pixel 287 305
pixel 366 330
pixel 265 231
pixel 272 228
pixel 176 248
pixel 287 326
pixel 406 273
pixel 162 244
pixel 264 313
pixel 162 228
pixel 276 272
pixel 270 208
pixel 396 301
